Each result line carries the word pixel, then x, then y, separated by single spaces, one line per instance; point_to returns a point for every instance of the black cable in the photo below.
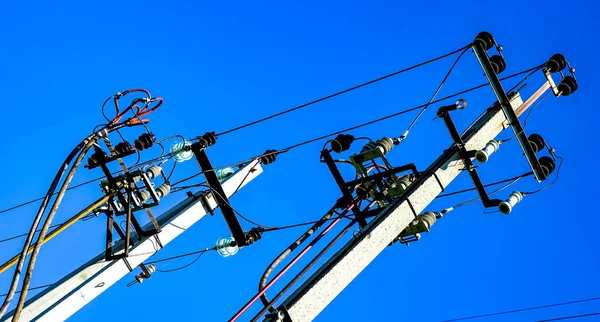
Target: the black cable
pixel 30 289
pixel 489 194
pixel 357 126
pixel 412 124
pixel 486 185
pixel 555 178
pixel 531 109
pixel 180 256
pixel 25 234
pixel 182 267
pixel 341 92
pixel 523 309
pixel 570 317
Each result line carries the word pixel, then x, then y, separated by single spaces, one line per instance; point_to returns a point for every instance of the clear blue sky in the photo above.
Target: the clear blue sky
pixel 221 65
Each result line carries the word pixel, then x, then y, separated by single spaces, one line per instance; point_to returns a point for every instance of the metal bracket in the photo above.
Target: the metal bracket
pixel 337 176
pixel 466 156
pixel 511 116
pixel 219 195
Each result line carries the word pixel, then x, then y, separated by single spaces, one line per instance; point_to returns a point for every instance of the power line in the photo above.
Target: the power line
pixel 360 125
pixel 486 185
pixel 570 317
pixel 524 309
pixel 29 289
pixel 341 92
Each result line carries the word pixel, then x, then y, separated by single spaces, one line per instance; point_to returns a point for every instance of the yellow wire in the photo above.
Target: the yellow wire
pixel 57 231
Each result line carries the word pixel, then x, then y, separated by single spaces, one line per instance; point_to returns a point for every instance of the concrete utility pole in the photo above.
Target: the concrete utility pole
pixel 331 278
pixel 70 294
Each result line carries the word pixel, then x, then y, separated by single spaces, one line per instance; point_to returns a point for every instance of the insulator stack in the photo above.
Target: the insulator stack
pixel 486 39
pixel 145 195
pixel 556 63
pixel 124 148
pixel 498 64
pixel 405 181
pixel 567 86
pixel 153 172
pixel 253 235
pixel 208 139
pixel 506 206
pixel 342 143
pixel 163 190
pixel 144 275
pixel 537 142
pixel 227 246
pixel 268 157
pixel 548 165
pixel 145 141
pixel 385 145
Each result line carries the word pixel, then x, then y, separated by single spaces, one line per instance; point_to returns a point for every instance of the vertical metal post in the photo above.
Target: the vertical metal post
pixel 213 182
pixel 510 114
pixel 109 226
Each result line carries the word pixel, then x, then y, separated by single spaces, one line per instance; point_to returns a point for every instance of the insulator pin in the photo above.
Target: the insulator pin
pixel 506 206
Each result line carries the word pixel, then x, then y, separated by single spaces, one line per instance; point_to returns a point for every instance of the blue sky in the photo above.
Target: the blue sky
pixel 220 65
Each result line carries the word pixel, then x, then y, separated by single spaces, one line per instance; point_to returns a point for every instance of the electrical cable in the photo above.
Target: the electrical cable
pixel 486 185
pixel 531 109
pixel 479 198
pixel 522 310
pixel 570 317
pixel 34 227
pixel 25 234
pixel 182 267
pixel 412 124
pixel 46 226
pixel 180 256
pixel 30 289
pixel 554 156
pixel 341 92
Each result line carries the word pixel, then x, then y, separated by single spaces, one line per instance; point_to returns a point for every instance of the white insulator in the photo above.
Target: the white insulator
pixel 385 145
pixel 145 194
pixel 484 154
pixel 153 172
pixel 506 206
pixel 405 181
pixel 163 190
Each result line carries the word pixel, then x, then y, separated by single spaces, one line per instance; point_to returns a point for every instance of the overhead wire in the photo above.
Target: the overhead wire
pixel 414 121
pixel 342 92
pixel 522 309
pixel 569 317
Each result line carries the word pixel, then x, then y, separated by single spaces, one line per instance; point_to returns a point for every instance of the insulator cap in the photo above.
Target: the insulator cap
pixel 486 39
pixel 268 157
pixel 145 141
pixel 548 165
pixel 556 63
pixel 567 86
pixel 342 143
pixel 498 64
pixel 208 139
pixel 537 142
pixel 124 148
